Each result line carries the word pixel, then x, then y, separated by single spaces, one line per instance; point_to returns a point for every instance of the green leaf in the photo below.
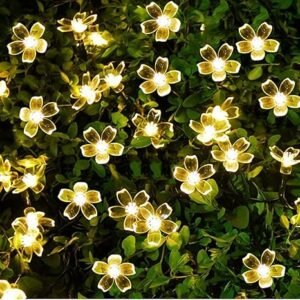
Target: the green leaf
pixel 119 119
pixel 140 142
pixel 128 245
pixel 239 217
pixel 255 172
pixel 30 285
pixel 174 241
pixel 255 73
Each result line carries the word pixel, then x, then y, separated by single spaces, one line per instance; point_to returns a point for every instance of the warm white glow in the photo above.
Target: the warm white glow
pixel 153 223
pixel 4 177
pixel 87 92
pixel 219 114
pixel 28 240
pixel 151 129
pixel 36 117
pixel 280 99
pixel 113 80
pixel 11 294
pixel 218 64
pixel 209 133
pixel 163 21
pixel 78 26
pixel 32 220
pixel 30 180
pixel 30 42
pixel 80 198
pixel 159 79
pixel 202 27
pixel 131 208
pixel 287 159
pixel 97 39
pixel 257 43
pixel 3 88
pixel 231 155
pixel 102 147
pixel 193 178
pixel 114 271
pixel 263 271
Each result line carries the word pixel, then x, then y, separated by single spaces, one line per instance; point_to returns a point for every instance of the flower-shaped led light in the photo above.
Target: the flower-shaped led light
pixel 150 126
pixel 33 220
pixel 78 25
pixel 262 271
pixel 114 271
pixel 295 219
pixel 80 199
pixel 37 116
pixel 288 158
pixel 279 99
pixel 155 222
pixel 129 207
pixel 5 175
pixel 88 92
pixel 225 111
pixel 218 64
pixel 101 146
pixel 209 129
pixel 112 78
pixel 33 178
pixel 30 161
pixel 232 155
pixel 163 21
pixel 257 43
pixel 159 79
pixel 10 292
pixel 4 90
pixel 28 43
pixel 192 177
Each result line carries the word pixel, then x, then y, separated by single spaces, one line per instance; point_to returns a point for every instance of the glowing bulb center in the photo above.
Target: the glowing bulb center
pixel 131 208
pixel 4 177
pixel 30 42
pixel 80 198
pixel 12 293
pixel 154 223
pixel 209 133
pixel 87 92
pixel 28 240
pixel 114 271
pixel 78 26
pixel 193 178
pixel 30 180
pixel 32 220
pixel 102 147
pixel 287 159
pixel 97 39
pixel 219 114
pixel 163 21
pixel 231 154
pixel 257 43
pixel 151 129
pixel 36 117
pixel 263 271
pixel 113 80
pixel 218 64
pixel 160 79
pixel 3 87
pixel 280 99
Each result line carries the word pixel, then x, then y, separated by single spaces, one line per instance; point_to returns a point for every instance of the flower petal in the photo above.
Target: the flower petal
pixel 247 32
pixel 24 114
pixel 66 195
pixel 241 145
pixel 231 166
pixel 79 103
pixel 196 126
pixel 141 227
pixel 117 212
pixel 276 153
pixel 47 126
pixel 208 53
pixel 180 174
pixel 93 196
pixel 277 271
pixel 100 267
pixel 145 72
pixel 102 158
pixel 293 101
pixel 50 109
pixel 129 222
pixel 149 26
pixel 31 129
pixel 287 170
pixel 41 46
pixel 218 155
pixel 225 51
pixel 37 30
pixel 123 283
pixel 271 46
pixel 71 211
pixel 88 150
pixel 154 10
pixel 90 19
pixel 105 283
pixel 148 87
pixel 20 31
pixel 164 210
pixel 127 269
pixel 251 261
pixel 267 102
pixel 251 276
pixel 108 134
pixel 245 158
pixel 218 76
pixel 36 103
pixel 173 76
pixel 114 259
pixel 244 47
pixel 154 238
pixel 170 9
pixel 269 88
pixel 162 34
pixel 268 257
pixel 80 187
pixel 191 163
pixel 168 226
pixel 115 149
pixel 232 66
pixel 286 86
pixel 89 210
pixel 203 187
pixel 280 111
pixel 205 67
pixel 124 197
pixel 91 135
pixel 264 30
pixel 187 188
pixel 164 90
pixel 258 55
pixel 141 198
pixel 174 25
pixel 29 55
pixel 265 282
pixel 206 171
pixel 15 48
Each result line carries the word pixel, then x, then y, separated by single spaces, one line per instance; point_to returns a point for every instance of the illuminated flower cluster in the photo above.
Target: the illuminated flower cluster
pixel 4 90
pixel 88 92
pixel 158 79
pixel 262 271
pixel 192 177
pixel 163 21
pixel 287 159
pixel 101 146
pixel 28 233
pixel 150 126
pixel 37 116
pixel 80 199
pixel 279 99
pixel 232 155
pixel 257 43
pixel 10 291
pixel 218 64
pixel 114 271
pixel 28 42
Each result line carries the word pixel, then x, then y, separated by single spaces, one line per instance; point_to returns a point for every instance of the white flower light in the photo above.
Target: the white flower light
pixel 78 26
pixel 219 114
pixel 193 178
pixel 280 99
pixel 154 223
pixel 28 240
pixel 163 21
pixel 131 208
pixel 159 79
pixel 36 117
pixel 287 159
pixel 263 271
pixel 209 133
pixel 97 39
pixel 3 87
pixel 113 80
pixel 30 42
pixel 151 129
pixel 32 220
pixel 11 294
pixel 102 147
pixel 79 198
pixel 218 64
pixel 257 43
pixel 30 180
pixel 114 271
pixel 87 92
pixel 231 155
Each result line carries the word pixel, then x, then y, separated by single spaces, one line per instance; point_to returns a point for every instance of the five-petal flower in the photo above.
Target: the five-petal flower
pixel 10 292
pixel 279 99
pixel 28 43
pixel 225 111
pixel 36 116
pixel 159 79
pixel 101 146
pixel 80 198
pixel 5 174
pixel 192 177
pixel 257 43
pixel 114 271
pixel 262 271
pixel 163 21
pixel 218 64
